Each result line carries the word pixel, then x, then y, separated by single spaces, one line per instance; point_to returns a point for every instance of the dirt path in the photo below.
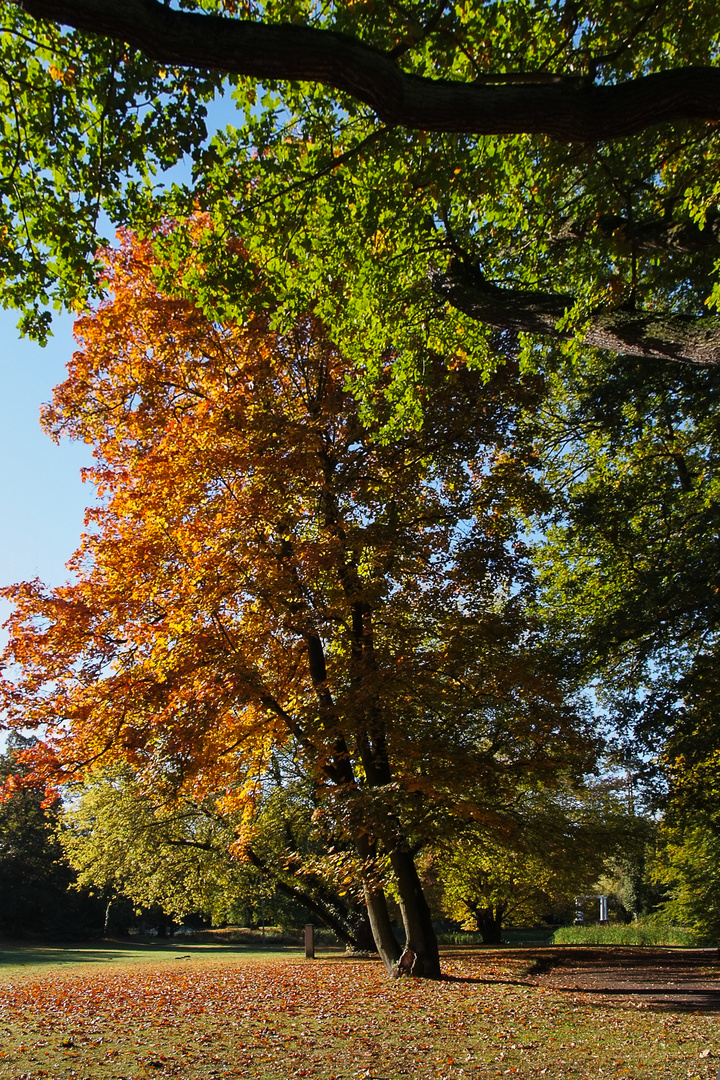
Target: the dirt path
pixel 685 980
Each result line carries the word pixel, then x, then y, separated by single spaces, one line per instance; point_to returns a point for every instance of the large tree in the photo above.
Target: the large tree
pixel 563 153
pixel 263 571
pixel 628 565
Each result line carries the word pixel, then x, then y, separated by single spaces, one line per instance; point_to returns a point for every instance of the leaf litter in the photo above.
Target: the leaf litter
pixel 335 1019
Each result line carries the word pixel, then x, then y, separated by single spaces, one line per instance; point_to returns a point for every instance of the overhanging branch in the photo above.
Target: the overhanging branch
pixel 653 335
pixel 303 897
pixel 566 108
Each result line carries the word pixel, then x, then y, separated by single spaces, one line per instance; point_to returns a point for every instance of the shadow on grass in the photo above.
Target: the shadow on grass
pixel 27 955
pixel 652 998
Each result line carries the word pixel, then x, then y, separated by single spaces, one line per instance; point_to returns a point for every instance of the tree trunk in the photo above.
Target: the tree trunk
pixel 164 925
pixel 420 937
pixel 385 941
pixel 363 935
pixel 568 108
pixel 688 338
pixel 489 922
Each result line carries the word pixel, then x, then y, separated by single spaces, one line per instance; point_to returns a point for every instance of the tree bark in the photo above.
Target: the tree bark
pixel 420 935
pixel 164 925
pixel 312 903
pixel 653 335
pixel 654 236
pixel 567 108
pixel 386 943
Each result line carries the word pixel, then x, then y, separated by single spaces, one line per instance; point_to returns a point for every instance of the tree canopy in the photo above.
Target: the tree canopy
pixel 123 845
pixel 550 167
pixel 264 573
pixel 628 560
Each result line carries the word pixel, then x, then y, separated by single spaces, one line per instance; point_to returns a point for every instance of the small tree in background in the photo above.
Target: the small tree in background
pixel 182 857
pixel 548 848
pixel 486 886
pixel 122 845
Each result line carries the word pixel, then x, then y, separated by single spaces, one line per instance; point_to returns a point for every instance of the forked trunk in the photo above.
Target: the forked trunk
pixel 420 956
pixel 420 937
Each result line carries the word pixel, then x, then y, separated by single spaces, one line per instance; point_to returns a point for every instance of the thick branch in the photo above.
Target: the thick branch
pixel 689 338
pixel 310 902
pixel 654 236
pixel 193 844
pixel 316 663
pixel 566 108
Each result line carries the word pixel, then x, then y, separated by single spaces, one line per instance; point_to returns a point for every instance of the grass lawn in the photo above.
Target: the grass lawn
pixel 128 1013
pixel 35 960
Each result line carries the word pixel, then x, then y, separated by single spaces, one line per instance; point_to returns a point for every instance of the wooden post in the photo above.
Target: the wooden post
pixel 309 941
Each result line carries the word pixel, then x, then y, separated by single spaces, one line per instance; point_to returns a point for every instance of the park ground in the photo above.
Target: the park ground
pixel 113 1011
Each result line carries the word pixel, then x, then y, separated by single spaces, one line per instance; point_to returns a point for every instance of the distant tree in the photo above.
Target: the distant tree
pixel 122 846
pixel 629 574
pixel 34 876
pixel 687 867
pixel 550 850
pixel 486 886
pixel 183 857
pixel 687 855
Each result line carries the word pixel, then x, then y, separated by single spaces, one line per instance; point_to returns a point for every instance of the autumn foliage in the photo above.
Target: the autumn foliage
pixel 263 573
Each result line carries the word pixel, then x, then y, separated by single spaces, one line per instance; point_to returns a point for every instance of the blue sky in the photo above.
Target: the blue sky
pixel 41 492
pixel 42 495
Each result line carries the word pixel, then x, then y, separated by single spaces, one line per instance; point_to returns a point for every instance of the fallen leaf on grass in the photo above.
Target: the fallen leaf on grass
pixel 275 1021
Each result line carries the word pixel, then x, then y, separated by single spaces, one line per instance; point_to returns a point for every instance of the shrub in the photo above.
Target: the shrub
pixel 633 934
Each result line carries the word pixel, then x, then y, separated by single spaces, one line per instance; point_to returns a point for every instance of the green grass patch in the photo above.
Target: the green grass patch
pixel 332 1019
pixel 33 960
pixel 632 934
